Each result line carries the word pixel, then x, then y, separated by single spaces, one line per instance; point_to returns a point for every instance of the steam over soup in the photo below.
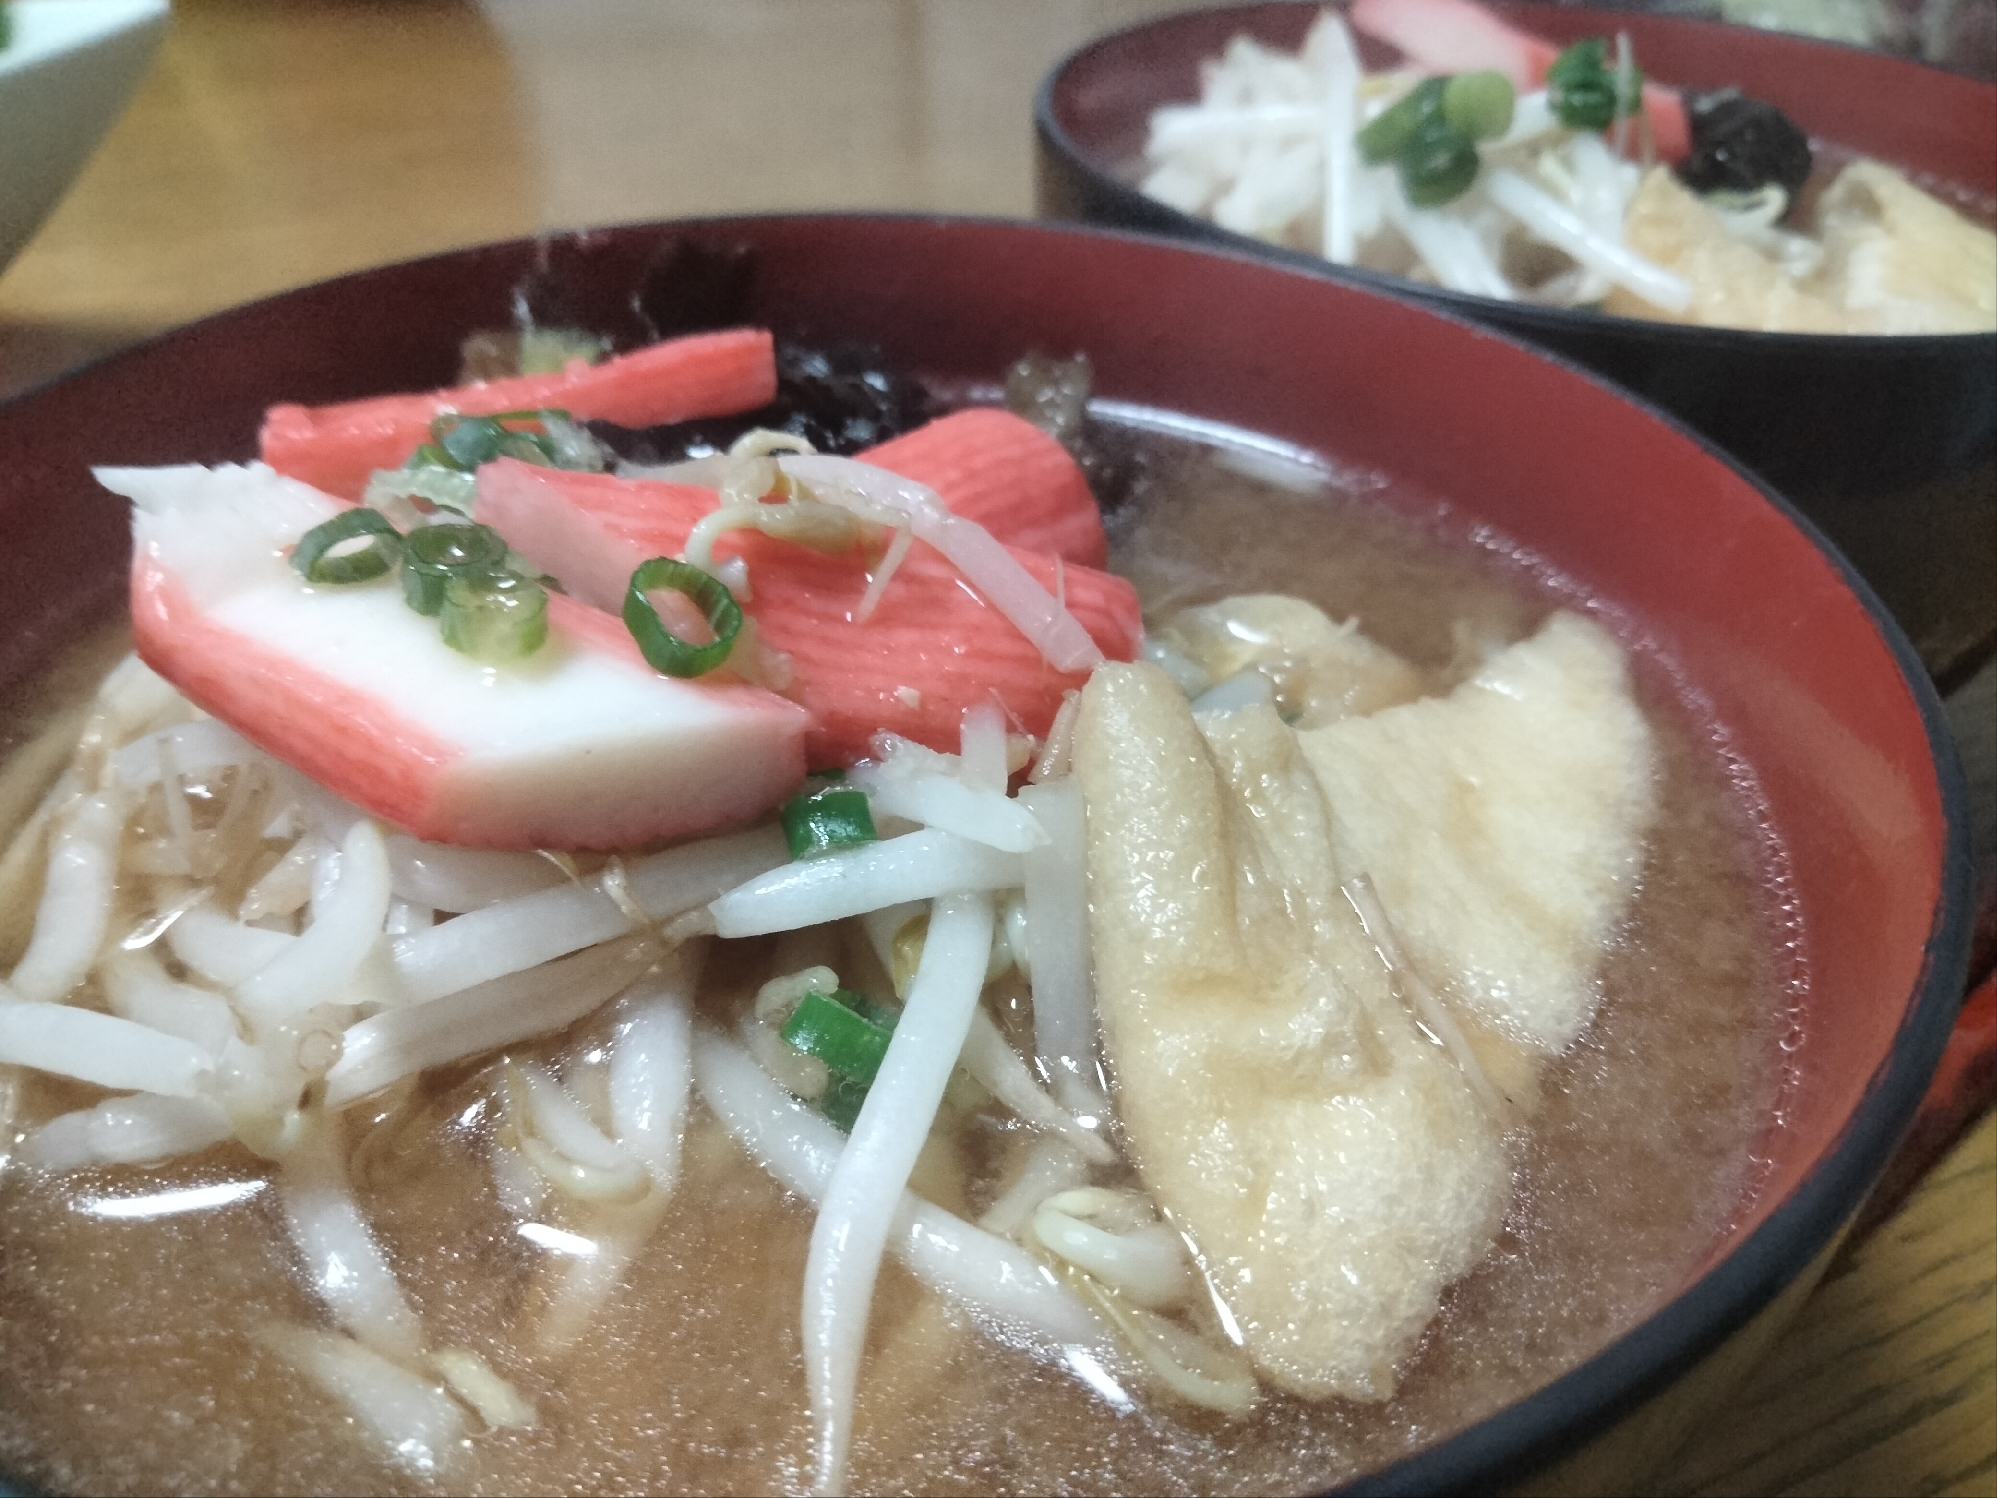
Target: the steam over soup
pixel 1227 1051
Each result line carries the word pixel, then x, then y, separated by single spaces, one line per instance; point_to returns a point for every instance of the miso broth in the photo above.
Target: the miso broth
pixel 130 1296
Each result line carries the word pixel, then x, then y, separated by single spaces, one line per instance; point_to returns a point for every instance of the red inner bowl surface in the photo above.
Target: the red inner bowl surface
pixel 1724 584
pixel 1936 124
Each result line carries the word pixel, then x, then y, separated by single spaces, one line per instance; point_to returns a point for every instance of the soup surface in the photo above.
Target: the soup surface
pixel 132 1298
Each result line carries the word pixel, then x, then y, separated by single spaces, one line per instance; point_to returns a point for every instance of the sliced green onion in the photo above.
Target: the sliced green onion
pixel 1479 104
pixel 850 1035
pixel 841 1101
pixel 464 442
pixel 1578 62
pixel 1587 94
pixel 842 1030
pixel 1439 164
pixel 432 554
pixel 1387 135
pixel 438 487
pixel 494 616
pixel 826 821
pixel 318 561
pixel 528 447
pixel 473 440
pixel 665 650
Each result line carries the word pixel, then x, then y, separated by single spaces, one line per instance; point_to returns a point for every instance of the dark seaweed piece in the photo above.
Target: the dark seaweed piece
pixel 1741 144
pixel 839 400
pixel 584 281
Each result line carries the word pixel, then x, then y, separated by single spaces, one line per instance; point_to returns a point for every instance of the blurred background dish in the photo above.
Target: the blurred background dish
pixel 1889 443
pixel 67 70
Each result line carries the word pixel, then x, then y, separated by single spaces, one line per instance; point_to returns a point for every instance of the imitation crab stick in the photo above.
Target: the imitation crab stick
pixel 1459 36
pixel 580 745
pixel 930 649
pixel 336 448
pixel 1002 472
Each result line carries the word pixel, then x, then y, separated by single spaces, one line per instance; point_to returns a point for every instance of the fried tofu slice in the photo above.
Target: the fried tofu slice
pixel 1321 671
pixel 1335 1164
pixel 1734 285
pixel 1894 259
pixel 1902 260
pixel 1332 1165
pixel 1503 825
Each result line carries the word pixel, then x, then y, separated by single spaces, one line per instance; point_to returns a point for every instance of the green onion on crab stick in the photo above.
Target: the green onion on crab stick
pixel 493 615
pixel 665 650
pixel 458 573
pixel 433 554
pixel 355 546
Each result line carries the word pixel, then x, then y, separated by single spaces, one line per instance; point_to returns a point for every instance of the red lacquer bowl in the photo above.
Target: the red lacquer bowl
pixel 1819 691
pixel 1890 444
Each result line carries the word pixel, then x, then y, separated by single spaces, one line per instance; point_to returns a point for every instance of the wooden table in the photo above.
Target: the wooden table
pixel 278 144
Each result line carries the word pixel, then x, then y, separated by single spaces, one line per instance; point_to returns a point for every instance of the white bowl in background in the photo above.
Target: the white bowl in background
pixel 65 77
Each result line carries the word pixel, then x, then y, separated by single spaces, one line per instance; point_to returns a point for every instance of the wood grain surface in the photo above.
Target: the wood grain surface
pixel 274 145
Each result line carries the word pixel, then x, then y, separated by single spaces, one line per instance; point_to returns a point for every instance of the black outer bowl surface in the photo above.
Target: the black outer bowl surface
pixel 1890 444
pixel 1794 650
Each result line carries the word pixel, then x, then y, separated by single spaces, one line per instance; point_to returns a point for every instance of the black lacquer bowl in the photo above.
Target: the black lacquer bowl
pixel 1890 444
pixel 1815 688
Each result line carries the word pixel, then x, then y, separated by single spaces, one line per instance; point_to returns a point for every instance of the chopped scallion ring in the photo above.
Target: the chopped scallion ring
pixel 464 442
pixel 1479 104
pixel 1586 94
pixel 494 616
pixel 432 554
pixel 841 1101
pixel 319 559
pixel 1389 133
pixel 826 821
pixel 665 650
pixel 1438 165
pixel 842 1030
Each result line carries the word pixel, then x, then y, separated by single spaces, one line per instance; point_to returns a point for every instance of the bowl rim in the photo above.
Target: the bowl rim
pixel 1053 138
pixel 1590 1397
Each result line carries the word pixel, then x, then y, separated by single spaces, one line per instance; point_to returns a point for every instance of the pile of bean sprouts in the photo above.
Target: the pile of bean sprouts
pixel 233 953
pixel 1269 152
